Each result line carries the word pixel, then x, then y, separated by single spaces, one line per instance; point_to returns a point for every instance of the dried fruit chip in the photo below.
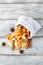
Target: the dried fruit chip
pixel 9 37
pixel 29 43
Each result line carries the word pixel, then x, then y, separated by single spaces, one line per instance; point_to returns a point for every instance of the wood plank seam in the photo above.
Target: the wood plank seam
pixel 20 55
pixel 24 3
pixel 17 19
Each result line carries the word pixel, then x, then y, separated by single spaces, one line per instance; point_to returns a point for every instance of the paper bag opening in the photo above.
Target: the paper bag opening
pixel 29 23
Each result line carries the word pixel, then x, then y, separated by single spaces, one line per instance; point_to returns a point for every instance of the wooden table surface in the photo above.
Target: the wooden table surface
pixel 9 12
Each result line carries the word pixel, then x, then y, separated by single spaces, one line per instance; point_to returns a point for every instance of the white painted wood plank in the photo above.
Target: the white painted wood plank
pixel 12 1
pixel 12 11
pixel 36 49
pixel 21 60
pixel 6 25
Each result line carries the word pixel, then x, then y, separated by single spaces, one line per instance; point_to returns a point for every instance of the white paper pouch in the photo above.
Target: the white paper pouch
pixel 29 23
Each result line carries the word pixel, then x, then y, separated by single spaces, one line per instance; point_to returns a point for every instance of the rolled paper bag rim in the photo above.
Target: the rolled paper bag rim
pixel 29 23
